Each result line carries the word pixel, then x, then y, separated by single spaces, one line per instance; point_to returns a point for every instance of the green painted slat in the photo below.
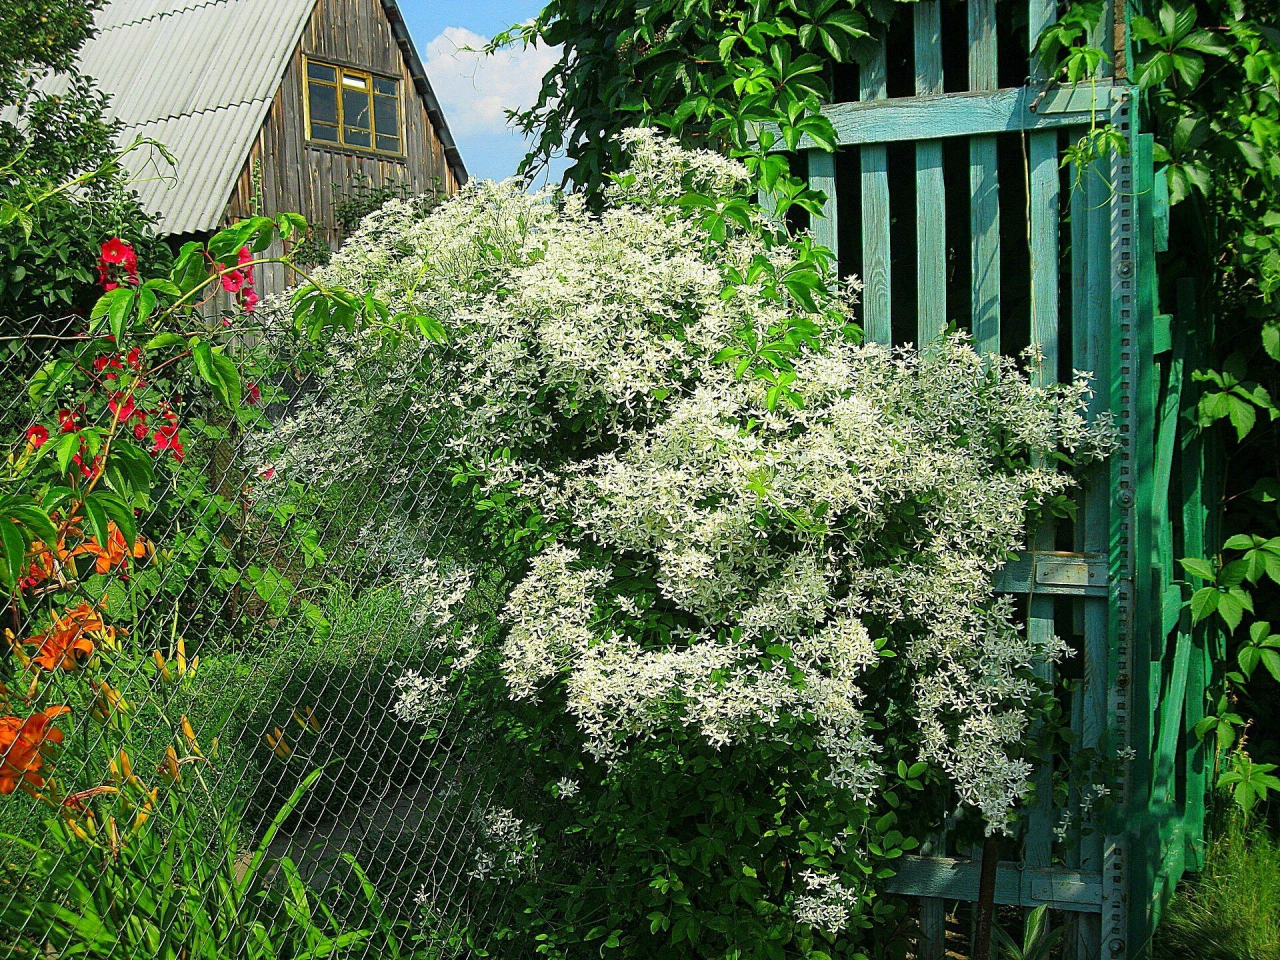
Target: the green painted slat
pixel 1194 520
pixel 1040 14
pixel 1170 726
pixel 927 15
pixel 822 176
pixel 931 243
pixel 984 189
pixel 877 283
pixel 1043 242
pixel 931 204
pixel 1038 848
pixel 984 224
pixel 1043 233
pixel 1090 278
pixel 964 114
pixel 1016 885
pixel 1168 425
pixel 983 61
pixel 932 944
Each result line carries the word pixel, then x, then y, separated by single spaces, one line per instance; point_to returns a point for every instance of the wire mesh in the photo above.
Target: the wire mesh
pixel 229 777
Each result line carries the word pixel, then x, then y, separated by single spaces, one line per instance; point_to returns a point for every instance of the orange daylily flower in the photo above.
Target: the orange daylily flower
pixel 45 563
pixel 115 554
pixel 21 748
pixel 69 644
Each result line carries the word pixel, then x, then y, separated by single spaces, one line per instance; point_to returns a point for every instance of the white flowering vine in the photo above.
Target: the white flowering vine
pixel 806 568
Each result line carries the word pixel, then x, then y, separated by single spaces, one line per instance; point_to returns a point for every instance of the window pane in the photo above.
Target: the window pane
pixel 355 83
pixel 320 131
pixel 386 87
pixel 388 144
pixel 324 103
pixel 386 116
pixel 356 138
pixel 318 71
pixel 355 109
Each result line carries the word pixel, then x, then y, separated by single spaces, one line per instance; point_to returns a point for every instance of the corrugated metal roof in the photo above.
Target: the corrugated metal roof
pixel 197 76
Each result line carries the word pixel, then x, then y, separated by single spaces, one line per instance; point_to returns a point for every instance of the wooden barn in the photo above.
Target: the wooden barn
pixel 268 106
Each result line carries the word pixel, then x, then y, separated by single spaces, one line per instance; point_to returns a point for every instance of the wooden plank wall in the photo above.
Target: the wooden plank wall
pixel 312 179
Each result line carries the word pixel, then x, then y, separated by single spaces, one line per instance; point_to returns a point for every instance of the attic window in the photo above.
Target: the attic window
pixel 352 108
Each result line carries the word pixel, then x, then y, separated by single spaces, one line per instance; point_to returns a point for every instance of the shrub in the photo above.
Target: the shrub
pixel 723 583
pixel 46 267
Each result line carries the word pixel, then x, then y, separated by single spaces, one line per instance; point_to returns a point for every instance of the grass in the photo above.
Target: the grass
pixel 1231 911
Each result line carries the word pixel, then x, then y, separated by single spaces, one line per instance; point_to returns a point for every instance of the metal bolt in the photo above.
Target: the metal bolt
pixel 1125 498
pixel 1125 268
pixel 1117 947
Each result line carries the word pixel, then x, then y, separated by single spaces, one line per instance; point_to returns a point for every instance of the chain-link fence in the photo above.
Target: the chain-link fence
pixel 206 745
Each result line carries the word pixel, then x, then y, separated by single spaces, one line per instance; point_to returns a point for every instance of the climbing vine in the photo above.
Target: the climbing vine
pixel 745 78
pixel 1208 73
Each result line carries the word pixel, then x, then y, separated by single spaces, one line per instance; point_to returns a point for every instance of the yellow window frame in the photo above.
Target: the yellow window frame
pixel 339 89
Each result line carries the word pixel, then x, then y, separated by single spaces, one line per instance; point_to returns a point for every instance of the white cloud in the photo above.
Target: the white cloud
pixel 476 92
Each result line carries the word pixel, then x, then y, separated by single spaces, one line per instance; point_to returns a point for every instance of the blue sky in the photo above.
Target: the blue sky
pixel 475 90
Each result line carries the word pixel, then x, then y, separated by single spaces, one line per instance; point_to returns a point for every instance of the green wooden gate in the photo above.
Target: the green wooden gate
pixel 1060 242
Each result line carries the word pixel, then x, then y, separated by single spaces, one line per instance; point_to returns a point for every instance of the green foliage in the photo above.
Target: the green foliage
pixel 48 248
pixel 745 78
pixel 1209 76
pixel 1038 940
pixel 185 886
pixel 245 691
pixel 1231 911
pixel 364 198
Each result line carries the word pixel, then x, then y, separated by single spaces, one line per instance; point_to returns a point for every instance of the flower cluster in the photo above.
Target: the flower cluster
pixel 117 262
pixel 507 847
pixel 238 280
pixel 826 904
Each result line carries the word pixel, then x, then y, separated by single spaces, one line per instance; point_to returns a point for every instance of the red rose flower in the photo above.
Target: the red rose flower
pixel 37 436
pixel 251 393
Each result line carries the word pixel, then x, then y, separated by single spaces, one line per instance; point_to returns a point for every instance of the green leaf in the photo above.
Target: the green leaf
pixel 113 307
pixel 66 447
pixel 1198 567
pixel 97 520
pixel 1204 602
pixel 14 552
pixel 162 341
pixel 117 510
pixel 1271 338
pixel 1231 607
